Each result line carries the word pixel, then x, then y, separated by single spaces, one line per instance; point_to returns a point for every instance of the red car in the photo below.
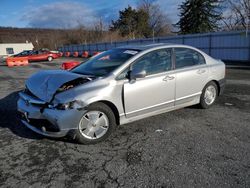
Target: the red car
pixel 38 55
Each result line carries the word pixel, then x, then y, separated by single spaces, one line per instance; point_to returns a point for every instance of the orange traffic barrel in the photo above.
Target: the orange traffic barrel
pixel 75 54
pixel 17 61
pixel 67 54
pixel 85 54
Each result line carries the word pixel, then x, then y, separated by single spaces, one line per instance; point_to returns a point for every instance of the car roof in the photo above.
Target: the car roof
pixel 151 46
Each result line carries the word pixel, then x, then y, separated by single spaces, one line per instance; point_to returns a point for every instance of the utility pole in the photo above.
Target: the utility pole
pixel 37 42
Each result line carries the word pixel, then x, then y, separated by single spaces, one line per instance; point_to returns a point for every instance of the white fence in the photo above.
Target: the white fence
pixel 233 46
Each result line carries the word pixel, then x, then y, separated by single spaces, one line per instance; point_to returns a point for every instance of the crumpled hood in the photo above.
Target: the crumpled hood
pixel 45 84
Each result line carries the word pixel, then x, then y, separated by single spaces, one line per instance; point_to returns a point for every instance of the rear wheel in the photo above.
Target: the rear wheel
pixel 209 95
pixel 50 58
pixel 96 124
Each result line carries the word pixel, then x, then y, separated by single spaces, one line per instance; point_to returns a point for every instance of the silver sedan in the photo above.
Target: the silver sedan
pixel 117 87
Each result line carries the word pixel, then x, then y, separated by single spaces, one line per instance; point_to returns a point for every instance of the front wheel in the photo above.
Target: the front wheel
pixel 96 124
pixel 50 58
pixel 209 95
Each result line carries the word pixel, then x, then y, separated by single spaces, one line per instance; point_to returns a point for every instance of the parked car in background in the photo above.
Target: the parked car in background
pixel 38 55
pixel 119 86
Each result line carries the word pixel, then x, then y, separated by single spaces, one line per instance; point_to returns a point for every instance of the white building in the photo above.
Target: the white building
pixel 7 49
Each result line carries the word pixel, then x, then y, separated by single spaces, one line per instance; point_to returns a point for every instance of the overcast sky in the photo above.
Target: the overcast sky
pixel 65 13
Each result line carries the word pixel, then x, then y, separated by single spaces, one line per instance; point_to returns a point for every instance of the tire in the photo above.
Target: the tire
pixel 209 95
pixel 50 58
pixel 104 125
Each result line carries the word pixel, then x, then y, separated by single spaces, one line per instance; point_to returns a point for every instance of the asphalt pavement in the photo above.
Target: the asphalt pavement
pixel 189 147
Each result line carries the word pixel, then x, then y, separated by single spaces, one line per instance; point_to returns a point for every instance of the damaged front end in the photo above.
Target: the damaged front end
pixel 75 104
pixel 74 83
pixel 37 110
pixel 46 84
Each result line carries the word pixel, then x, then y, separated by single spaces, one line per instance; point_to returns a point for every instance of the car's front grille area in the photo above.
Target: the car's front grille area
pixel 44 124
pixel 28 92
pixel 30 98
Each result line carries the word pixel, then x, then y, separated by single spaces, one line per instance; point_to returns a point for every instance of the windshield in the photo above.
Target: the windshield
pixel 23 53
pixel 105 63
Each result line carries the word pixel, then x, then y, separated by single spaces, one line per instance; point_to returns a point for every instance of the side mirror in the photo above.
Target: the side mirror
pixel 134 74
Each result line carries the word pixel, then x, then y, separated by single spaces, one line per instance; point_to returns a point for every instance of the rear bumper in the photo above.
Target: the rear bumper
pixel 46 121
pixel 222 84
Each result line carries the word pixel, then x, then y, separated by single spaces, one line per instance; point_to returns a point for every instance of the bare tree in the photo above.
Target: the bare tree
pixel 98 30
pixel 159 22
pixel 237 16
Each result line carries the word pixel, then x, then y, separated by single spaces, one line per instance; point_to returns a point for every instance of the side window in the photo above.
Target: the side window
pixel 9 51
pixel 42 52
pixel 154 62
pixel 34 53
pixel 185 57
pixel 24 53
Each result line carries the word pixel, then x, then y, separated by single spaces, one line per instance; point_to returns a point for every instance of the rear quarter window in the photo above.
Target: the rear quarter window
pixel 185 57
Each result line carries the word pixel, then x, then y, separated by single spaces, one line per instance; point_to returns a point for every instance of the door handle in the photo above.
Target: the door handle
pixel 201 71
pixel 168 78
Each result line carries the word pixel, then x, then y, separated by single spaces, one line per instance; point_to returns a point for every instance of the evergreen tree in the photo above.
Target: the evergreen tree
pixel 199 16
pixel 133 23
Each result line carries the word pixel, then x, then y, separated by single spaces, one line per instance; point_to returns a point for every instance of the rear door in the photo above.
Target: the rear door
pixel 154 92
pixel 191 74
pixel 33 56
pixel 38 56
pixel 43 55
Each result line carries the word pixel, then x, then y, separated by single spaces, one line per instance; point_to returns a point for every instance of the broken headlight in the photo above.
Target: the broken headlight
pixel 70 105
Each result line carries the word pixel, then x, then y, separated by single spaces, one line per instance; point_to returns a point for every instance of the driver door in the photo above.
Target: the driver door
pixel 154 92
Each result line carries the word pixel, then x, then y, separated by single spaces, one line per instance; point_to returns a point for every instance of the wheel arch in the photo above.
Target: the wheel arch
pixel 217 84
pixel 112 107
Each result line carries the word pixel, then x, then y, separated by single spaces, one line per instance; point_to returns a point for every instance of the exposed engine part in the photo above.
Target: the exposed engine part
pixel 73 83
